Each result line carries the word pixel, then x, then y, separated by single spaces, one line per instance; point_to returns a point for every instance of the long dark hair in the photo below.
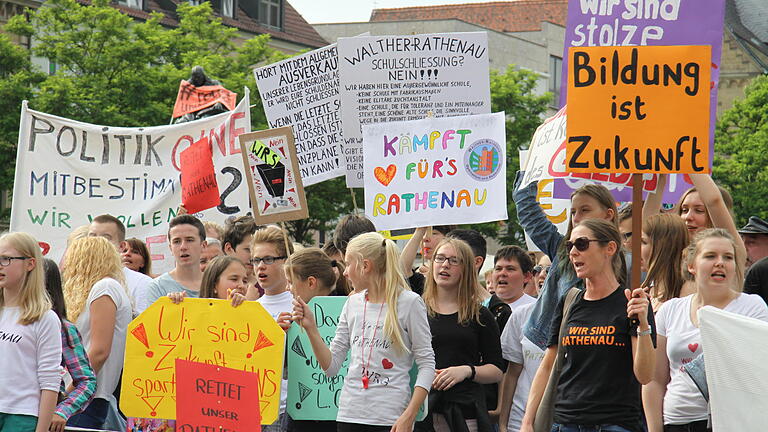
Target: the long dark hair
pixel 53 286
pixel 607 232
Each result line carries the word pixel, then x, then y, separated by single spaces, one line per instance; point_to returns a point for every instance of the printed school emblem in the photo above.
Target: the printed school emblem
pixel 482 159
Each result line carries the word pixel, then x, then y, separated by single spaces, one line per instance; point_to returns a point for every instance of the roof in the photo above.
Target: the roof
pixel 751 34
pixel 295 28
pixel 502 16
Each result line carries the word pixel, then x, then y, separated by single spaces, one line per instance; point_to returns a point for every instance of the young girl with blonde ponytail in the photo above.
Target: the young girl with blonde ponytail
pixel 385 329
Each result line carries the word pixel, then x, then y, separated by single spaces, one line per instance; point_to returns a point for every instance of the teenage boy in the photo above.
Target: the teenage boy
pixel 112 229
pixel 512 270
pixel 236 242
pixel 186 239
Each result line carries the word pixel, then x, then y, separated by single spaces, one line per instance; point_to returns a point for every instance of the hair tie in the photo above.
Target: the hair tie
pixel 334 263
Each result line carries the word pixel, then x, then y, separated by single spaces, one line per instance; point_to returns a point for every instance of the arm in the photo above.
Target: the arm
pixel 653 392
pixel 305 318
pixel 48 357
pixel 507 393
pixel 538 386
pixel 718 212
pixel 44 412
pixel 644 358
pixel 83 378
pixel 410 251
pixel 533 220
pixel 103 315
pixel 405 422
pixel 653 201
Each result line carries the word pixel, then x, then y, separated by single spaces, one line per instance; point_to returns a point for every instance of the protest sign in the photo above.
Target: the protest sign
pixel 546 160
pixel 447 169
pixel 400 78
pixel 274 178
pixel 303 92
pixel 311 394
pixel 190 98
pixel 200 330
pixel 215 398
pixel 638 110
pixel 69 172
pixel 199 190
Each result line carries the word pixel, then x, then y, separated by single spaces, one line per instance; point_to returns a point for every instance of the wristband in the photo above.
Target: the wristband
pixel 644 332
pixel 472 375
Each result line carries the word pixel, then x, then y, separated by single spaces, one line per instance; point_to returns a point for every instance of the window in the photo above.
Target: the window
pixel 555 78
pixel 228 8
pixel 135 4
pixel 194 2
pixel 271 13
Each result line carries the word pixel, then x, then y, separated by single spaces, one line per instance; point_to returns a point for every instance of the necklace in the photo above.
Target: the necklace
pixel 362 334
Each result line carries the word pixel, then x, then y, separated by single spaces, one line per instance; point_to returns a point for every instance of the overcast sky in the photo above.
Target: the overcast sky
pixel 333 11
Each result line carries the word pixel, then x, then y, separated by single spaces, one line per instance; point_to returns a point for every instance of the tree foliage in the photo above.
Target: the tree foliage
pixel 741 152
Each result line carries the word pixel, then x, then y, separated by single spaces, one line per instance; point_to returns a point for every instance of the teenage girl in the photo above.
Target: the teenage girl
pixel 663 241
pixel 383 343
pixel 311 273
pixel 74 358
pixel 224 278
pixel 672 401
pixel 30 347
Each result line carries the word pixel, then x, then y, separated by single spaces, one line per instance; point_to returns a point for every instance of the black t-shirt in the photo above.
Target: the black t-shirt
pixel 756 281
pixel 597 384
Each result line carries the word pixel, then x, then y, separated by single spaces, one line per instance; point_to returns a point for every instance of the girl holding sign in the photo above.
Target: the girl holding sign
pixel 663 241
pixel 672 401
pixel 465 338
pixel 383 343
pixel 604 356
pixel 31 343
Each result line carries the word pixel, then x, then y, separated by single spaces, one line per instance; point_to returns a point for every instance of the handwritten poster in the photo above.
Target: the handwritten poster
pixel 190 98
pixel 401 78
pixel 215 398
pixel 546 162
pixel 638 110
pixel 447 169
pixel 311 394
pixel 274 178
pixel 200 330
pixel 199 190
pixel 303 92
pixel 68 172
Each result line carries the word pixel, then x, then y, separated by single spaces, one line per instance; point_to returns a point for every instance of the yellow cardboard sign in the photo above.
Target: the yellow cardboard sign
pixel 638 109
pixel 200 330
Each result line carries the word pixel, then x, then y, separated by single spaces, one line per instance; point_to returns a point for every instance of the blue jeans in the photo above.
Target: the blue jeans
pixel 587 428
pixel 93 417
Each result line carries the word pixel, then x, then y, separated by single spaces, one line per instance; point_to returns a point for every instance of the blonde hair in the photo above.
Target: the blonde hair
pixel 384 256
pixel 470 294
pixel 78 233
pixel 33 297
pixel 88 260
pixel 694 248
pixel 669 238
pixel 274 236
pixel 213 226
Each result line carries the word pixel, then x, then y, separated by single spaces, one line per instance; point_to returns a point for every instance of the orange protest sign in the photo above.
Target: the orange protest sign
pixel 638 109
pixel 191 98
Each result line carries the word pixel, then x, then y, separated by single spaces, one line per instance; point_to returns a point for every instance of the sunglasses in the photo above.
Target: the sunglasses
pixel 538 269
pixel 581 243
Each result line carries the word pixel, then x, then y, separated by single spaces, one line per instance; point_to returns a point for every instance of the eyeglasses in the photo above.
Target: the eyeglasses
pixel 268 260
pixel 5 261
pixel 538 269
pixel 581 243
pixel 442 258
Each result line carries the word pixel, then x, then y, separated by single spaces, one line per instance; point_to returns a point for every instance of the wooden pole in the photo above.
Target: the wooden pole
pixel 354 201
pixel 637 228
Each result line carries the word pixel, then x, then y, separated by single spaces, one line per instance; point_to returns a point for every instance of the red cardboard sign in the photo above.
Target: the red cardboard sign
pixel 199 190
pixel 216 398
pixel 191 98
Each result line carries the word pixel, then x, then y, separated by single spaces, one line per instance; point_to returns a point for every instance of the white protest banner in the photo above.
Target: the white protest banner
pixel 68 172
pixel 401 78
pixel 303 92
pixel 546 160
pixel 450 170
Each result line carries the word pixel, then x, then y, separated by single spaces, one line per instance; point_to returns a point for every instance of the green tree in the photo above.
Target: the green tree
pixel 741 151
pixel 513 92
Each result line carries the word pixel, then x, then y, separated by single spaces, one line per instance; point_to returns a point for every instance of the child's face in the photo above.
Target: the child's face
pixel 306 289
pixel 233 279
pixel 270 276
pixel 13 274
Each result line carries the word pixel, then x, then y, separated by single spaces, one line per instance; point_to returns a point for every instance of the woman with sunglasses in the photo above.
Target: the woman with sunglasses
pixel 466 341
pixel 587 202
pixel 607 342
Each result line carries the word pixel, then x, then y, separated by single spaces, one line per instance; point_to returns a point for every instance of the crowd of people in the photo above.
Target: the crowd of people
pixel 553 340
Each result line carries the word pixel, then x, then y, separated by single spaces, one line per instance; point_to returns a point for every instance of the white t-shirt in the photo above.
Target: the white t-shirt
pixel 389 390
pixel 275 304
pixel 109 375
pixel 516 348
pixel 31 356
pixel 683 403
pixel 522 301
pixel 137 284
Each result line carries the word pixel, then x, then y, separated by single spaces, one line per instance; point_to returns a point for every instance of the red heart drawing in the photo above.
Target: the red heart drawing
pixel 45 247
pixel 387 364
pixel 693 347
pixel 384 177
